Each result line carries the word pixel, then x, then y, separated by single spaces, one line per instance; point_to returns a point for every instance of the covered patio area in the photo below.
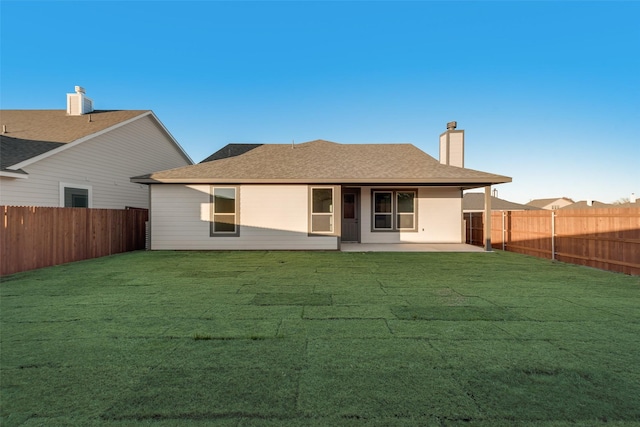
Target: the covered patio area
pixel 409 247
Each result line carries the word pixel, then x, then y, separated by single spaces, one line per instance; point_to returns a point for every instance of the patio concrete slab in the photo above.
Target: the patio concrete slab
pixel 409 247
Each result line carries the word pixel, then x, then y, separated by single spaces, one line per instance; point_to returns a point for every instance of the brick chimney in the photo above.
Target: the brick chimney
pixel 78 103
pixel 452 146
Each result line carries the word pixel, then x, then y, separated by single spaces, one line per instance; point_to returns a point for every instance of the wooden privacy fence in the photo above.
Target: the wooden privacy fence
pixel 35 237
pixel 608 239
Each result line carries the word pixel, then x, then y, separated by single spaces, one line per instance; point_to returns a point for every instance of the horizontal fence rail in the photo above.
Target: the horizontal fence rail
pixel 608 239
pixel 35 237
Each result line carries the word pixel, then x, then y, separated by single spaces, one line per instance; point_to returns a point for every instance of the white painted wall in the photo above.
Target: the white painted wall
pixel 271 217
pixel 439 218
pixel 456 149
pixel 104 163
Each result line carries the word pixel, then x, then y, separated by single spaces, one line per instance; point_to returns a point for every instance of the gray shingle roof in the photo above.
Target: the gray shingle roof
pixel 230 150
pixel 14 150
pixel 30 133
pixel 326 162
pixel 583 204
pixel 475 202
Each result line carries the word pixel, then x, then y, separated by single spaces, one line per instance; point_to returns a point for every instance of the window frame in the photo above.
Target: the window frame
pixel 375 213
pixel 65 185
pixel 331 214
pixel 398 213
pixel 236 214
pixel 395 223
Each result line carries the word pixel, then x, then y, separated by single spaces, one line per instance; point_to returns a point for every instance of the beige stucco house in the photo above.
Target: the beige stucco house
pixel 313 195
pixel 81 157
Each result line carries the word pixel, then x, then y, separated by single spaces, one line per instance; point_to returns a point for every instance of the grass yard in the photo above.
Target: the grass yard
pixel 319 339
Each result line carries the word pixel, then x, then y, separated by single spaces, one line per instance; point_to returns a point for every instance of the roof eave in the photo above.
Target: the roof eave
pixel 11 174
pixel 173 140
pixel 467 183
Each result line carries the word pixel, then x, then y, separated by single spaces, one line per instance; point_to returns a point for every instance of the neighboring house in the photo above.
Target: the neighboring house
pixel 81 157
pixel 474 202
pixel 588 204
pixel 314 195
pixel 551 204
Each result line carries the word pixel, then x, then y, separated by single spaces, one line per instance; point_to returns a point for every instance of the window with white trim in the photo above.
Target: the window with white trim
pixel 322 210
pixel 224 211
pixel 75 195
pixel 394 210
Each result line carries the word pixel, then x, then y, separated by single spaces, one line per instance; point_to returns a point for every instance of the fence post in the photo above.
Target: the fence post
pixel 503 233
pixel 553 235
pixel 487 218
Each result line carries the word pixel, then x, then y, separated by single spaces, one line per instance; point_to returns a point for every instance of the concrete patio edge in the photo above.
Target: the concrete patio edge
pixel 409 247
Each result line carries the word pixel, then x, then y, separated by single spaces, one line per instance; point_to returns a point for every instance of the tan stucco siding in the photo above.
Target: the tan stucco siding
pixel 439 218
pixel 104 163
pixel 270 217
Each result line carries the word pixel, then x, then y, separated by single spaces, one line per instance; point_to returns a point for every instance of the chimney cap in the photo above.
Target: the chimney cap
pixel 452 125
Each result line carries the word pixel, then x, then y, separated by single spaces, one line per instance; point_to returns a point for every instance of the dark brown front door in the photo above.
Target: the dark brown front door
pixel 351 215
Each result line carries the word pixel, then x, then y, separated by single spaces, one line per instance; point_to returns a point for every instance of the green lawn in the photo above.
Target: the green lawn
pixel 320 339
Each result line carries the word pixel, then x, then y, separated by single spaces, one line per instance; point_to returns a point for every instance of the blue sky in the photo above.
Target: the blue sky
pixel 547 92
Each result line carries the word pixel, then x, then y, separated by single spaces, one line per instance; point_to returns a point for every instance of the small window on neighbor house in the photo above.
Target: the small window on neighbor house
pixel 76 197
pixel 322 210
pixel 224 211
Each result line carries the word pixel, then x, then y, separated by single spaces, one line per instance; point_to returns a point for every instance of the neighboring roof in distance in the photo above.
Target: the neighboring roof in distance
pixel 322 161
pixel 474 202
pixel 584 204
pixel 231 150
pixel 541 203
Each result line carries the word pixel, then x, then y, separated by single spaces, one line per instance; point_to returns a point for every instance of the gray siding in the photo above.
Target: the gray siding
pixel 104 163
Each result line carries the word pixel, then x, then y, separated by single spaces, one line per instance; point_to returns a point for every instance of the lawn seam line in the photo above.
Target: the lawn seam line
pixel 591 308
pixel 388 327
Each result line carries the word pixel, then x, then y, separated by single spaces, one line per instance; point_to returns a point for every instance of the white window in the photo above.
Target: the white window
pixel 322 210
pixel 75 195
pixel 405 210
pixel 394 210
pixel 224 211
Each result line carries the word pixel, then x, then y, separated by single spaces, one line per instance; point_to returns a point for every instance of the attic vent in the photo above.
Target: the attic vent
pixel 78 103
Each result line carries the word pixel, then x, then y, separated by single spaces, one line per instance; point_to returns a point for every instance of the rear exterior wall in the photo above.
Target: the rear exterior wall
pixel 272 217
pixel 439 217
pixel 276 217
